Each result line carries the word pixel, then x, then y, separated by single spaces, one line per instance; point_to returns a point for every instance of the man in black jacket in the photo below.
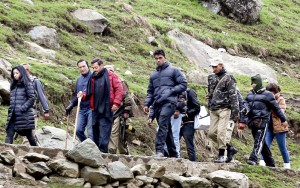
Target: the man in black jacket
pixel 261 102
pixel 164 85
pixel 187 130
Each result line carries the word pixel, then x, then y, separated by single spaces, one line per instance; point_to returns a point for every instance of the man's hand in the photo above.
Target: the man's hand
pixel 79 94
pixel 284 124
pixel 68 110
pixel 146 110
pixel 114 108
pixel 235 118
pixel 149 122
pixel 126 115
pixel 46 116
pixel 240 130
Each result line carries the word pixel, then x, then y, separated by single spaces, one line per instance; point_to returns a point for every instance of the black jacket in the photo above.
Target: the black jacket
pixel 21 103
pixel 164 85
pixel 193 106
pixel 261 103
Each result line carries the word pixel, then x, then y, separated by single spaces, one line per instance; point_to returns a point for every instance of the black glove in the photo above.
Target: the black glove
pixel 69 109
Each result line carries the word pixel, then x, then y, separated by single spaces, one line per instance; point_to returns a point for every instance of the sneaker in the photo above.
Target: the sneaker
pixel 231 151
pixel 159 154
pixel 220 159
pixel 251 162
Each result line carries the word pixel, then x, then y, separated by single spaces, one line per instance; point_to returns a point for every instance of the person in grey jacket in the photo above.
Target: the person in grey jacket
pixel 20 117
pixel 165 83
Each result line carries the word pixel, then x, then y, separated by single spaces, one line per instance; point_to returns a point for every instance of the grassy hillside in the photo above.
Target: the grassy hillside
pixel 275 40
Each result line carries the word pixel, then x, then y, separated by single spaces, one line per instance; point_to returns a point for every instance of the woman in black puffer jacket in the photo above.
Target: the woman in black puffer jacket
pixel 20 114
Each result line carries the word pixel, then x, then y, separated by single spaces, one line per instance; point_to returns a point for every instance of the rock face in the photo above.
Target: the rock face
pixel 96 21
pixel 246 12
pixel 229 179
pixel 40 50
pixel 44 36
pixel 200 54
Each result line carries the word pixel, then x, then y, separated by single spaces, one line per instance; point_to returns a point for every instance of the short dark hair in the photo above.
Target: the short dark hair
pixel 273 88
pixel 159 52
pixel 97 60
pixel 82 60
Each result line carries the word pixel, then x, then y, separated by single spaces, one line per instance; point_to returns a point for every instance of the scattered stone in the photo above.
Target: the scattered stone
pixel 36 157
pixel 231 51
pixel 222 50
pixel 171 179
pixel 156 171
pixel 113 49
pixel 5 172
pixel 96 21
pixel 40 50
pixel 38 169
pixel 145 179
pixel 44 36
pixel 29 2
pixel 138 142
pixel 68 181
pixel 139 169
pixel 65 168
pixel 209 42
pixel 128 72
pixel 86 153
pixel 229 179
pixel 25 176
pixel 134 183
pixel 45 179
pixel 96 176
pixel 127 8
pixel 119 171
pixel 164 185
pixel 5 68
pixel 115 184
pixel 195 182
pixel 152 41
pixel 8 157
pixel 87 185
pixel 19 167
pixel 284 74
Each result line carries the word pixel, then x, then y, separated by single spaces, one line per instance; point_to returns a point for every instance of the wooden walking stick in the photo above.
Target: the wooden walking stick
pixel 76 120
pixel 67 131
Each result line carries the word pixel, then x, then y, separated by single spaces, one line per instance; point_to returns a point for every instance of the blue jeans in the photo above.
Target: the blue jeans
pixel 102 131
pixel 188 131
pixel 164 134
pixel 84 121
pixel 176 124
pixel 281 141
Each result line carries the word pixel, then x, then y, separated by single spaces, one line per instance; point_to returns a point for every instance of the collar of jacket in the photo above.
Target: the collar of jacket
pixel 222 72
pixel 88 73
pixel 258 91
pixel 163 66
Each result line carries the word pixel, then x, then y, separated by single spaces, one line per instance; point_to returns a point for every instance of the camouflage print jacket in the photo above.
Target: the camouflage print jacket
pixel 225 96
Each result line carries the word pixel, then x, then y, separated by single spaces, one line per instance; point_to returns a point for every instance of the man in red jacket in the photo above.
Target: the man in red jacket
pixel 105 92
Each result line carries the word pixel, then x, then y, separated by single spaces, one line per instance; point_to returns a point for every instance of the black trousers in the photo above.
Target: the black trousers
pixel 164 134
pixel 259 128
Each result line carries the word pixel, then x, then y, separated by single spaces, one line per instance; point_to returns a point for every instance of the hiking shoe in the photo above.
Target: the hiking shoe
pixel 249 162
pixel 220 159
pixel 231 151
pixel 159 154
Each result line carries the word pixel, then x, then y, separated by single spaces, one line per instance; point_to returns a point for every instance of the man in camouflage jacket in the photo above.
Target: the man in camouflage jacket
pixel 223 106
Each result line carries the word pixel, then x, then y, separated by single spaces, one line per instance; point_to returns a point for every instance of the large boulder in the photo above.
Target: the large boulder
pixel 246 12
pixel 35 48
pixel 201 54
pixel 229 179
pixel 86 153
pixel 65 168
pixel 44 36
pixel 93 19
pixel 53 137
pixel 96 176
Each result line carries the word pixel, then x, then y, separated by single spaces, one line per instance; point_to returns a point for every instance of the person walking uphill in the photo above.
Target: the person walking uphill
pixel 85 113
pixel 105 92
pixel 223 106
pixel 20 113
pixel 165 83
pixel 261 103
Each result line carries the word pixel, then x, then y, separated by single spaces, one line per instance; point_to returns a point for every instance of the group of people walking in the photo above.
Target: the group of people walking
pixel 105 106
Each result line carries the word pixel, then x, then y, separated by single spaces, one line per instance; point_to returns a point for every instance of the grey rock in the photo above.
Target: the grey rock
pixel 19 167
pixel 229 179
pixel 115 184
pixel 164 185
pixel 40 50
pixel 52 137
pixel 119 171
pixel 145 179
pixel 134 183
pixel 36 157
pixel 86 153
pixel 38 169
pixel 96 176
pixel 5 68
pixel 29 2
pixel 68 181
pixel 8 157
pixel 108 186
pixel 246 12
pixel 65 168
pixel 231 51
pixel 189 182
pixel 87 185
pixel 148 186
pixel 198 77
pixel 139 169
pixel 5 172
pixel 45 179
pixel 127 8
pixel 233 64
pixel 152 41
pixel 156 171
pixel 171 179
pixel 96 21
pixel 44 36
pixel 25 176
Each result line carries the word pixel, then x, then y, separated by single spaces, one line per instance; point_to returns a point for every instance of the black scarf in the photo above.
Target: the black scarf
pixel 98 89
